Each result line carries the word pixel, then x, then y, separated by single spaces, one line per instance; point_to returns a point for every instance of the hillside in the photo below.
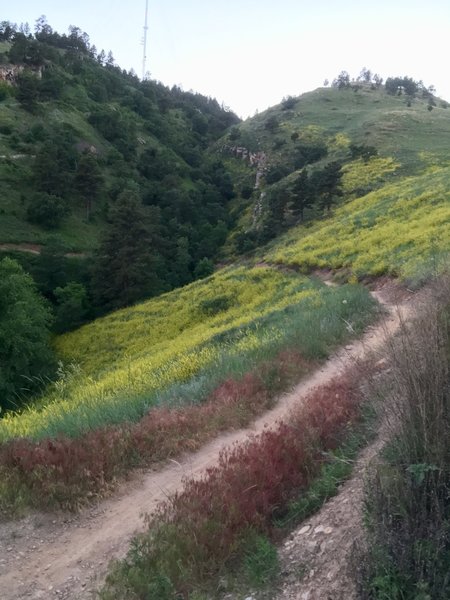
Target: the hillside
pixel 324 210
pixel 377 138
pixel 76 133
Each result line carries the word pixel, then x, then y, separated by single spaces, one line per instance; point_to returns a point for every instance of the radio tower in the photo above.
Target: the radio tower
pixel 144 42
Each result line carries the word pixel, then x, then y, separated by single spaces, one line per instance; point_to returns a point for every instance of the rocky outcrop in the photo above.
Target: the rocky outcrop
pixel 10 73
pixel 254 159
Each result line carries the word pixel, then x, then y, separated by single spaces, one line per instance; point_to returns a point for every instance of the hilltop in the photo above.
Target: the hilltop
pixel 377 138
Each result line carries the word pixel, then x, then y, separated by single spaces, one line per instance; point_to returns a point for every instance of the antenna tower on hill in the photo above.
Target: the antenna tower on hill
pixel 144 42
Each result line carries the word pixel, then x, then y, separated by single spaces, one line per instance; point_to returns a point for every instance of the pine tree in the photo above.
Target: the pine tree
pixel 126 266
pixel 88 180
pixel 301 195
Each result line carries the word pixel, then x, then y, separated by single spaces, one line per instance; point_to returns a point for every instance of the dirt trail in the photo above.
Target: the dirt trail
pixel 66 557
pixel 35 249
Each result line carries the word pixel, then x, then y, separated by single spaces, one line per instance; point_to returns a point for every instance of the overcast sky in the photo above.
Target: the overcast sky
pixel 249 54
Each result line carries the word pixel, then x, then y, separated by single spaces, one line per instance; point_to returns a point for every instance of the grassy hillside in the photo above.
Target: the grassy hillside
pixel 176 349
pixel 404 135
pixel 400 229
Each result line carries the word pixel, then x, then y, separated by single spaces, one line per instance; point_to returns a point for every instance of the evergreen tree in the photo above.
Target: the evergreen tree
pixel 28 91
pixel 88 181
pixel 301 195
pixel 126 266
pixel 326 184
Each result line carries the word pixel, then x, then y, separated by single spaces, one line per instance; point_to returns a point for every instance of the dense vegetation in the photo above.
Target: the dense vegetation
pixel 192 543
pixel 80 136
pixel 407 491
pixel 177 348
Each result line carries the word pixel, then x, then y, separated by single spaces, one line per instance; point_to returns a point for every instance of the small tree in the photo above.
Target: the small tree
pixel 342 81
pixel 72 306
pixel 203 268
pixel 28 91
pixel 271 124
pixel 47 210
pixel 325 184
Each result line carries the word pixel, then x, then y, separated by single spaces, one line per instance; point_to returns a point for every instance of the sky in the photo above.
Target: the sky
pixel 249 54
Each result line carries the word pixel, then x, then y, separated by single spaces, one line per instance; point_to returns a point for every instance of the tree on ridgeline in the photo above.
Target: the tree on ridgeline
pixel 342 81
pixel 26 358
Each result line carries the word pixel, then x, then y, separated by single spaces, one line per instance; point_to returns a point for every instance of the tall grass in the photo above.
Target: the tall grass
pixel 400 229
pixel 408 492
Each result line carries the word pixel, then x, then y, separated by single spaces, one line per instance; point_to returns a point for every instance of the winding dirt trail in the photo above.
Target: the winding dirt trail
pixel 66 557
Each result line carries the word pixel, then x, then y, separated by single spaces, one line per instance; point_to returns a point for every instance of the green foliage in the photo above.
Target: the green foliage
pixel 215 305
pixel 407 494
pixel 306 153
pixel 47 210
pixel 88 180
pixel 168 352
pixel 260 566
pixel 26 358
pixel 125 267
pixel 342 81
pixel 5 91
pixel 72 306
pixel 302 195
pixel 203 268
pixel 28 91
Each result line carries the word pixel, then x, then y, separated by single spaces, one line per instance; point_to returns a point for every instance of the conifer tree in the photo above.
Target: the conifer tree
pixel 127 266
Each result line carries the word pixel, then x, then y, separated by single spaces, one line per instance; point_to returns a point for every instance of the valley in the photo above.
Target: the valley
pixel 209 321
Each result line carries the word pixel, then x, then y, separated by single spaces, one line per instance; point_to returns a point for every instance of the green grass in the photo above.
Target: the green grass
pixel 413 138
pixel 399 229
pixel 172 350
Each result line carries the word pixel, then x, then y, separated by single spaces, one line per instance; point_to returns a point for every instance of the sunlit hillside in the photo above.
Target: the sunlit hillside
pixel 175 349
pixel 407 136
pixel 402 230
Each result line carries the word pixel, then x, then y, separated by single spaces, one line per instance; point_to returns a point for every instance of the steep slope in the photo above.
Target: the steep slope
pixel 376 137
pixel 76 131
pixel 72 555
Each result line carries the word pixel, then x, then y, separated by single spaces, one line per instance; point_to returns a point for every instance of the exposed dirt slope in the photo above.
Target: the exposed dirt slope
pixel 60 556
pixel 316 560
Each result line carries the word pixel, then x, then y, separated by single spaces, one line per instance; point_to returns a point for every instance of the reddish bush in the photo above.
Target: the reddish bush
pixel 66 472
pixel 196 531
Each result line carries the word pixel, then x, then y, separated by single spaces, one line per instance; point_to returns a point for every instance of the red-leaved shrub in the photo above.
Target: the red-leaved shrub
pixel 68 472
pixel 195 532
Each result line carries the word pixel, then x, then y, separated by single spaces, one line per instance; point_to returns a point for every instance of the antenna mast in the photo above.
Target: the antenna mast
pixel 144 41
